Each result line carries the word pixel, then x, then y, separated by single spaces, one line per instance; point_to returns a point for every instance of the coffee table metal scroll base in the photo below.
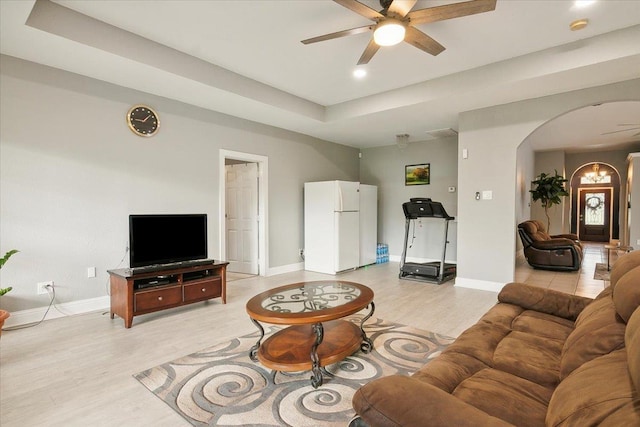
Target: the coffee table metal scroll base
pixel 367 344
pixel 316 370
pixel 316 378
pixel 253 352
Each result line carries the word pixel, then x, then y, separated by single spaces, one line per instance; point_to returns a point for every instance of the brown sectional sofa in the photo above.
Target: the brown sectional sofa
pixel 537 358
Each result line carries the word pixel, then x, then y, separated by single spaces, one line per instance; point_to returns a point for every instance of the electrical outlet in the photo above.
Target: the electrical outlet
pixel 43 287
pixel 91 272
pixel 638 242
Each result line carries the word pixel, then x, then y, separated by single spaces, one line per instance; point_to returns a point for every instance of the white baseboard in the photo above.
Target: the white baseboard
pixel 285 269
pixel 482 285
pixel 32 315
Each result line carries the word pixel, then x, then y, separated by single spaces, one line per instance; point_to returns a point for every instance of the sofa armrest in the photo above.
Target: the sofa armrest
pixel 543 300
pixel 569 236
pixel 397 400
pixel 553 244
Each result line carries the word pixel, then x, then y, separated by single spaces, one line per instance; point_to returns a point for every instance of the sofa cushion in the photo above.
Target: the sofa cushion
pixel 505 396
pixel 593 392
pixel 543 300
pixel 502 315
pixel 626 294
pixel 627 415
pixel 598 331
pixel 529 356
pixel 623 265
pixel 448 370
pixel 533 348
pixel 632 341
pixel 472 351
pixel 534 230
pixel 543 325
pixel 399 401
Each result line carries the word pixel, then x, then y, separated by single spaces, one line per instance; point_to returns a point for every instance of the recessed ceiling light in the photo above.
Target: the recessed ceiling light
pixel 578 25
pixel 583 3
pixel 359 73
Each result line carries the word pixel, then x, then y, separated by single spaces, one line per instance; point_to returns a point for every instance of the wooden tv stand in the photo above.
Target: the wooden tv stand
pixel 142 291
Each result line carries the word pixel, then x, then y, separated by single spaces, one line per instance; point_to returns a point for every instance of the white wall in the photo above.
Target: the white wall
pixel 486 229
pixel 71 172
pixel 384 167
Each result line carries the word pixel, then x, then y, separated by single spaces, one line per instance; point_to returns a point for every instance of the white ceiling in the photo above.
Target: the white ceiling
pixel 244 58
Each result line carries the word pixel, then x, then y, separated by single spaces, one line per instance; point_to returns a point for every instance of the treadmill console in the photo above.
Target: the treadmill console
pixel 424 208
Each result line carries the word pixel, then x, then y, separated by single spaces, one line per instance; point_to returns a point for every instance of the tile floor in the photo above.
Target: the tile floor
pixel 574 282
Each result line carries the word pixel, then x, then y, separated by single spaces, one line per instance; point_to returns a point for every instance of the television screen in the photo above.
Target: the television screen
pixel 163 239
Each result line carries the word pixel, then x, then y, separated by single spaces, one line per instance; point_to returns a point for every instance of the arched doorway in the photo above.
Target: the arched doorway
pixel 595 202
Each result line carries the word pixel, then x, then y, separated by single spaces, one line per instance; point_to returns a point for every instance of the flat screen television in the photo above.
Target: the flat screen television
pixel 164 239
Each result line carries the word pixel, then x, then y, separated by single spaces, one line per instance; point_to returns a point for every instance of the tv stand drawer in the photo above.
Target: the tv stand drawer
pixel 157 298
pixel 203 289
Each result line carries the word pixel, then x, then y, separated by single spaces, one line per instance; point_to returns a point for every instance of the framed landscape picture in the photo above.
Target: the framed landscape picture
pixel 417 174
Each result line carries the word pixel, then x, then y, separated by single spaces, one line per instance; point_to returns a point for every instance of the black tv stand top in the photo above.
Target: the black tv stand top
pixel 132 271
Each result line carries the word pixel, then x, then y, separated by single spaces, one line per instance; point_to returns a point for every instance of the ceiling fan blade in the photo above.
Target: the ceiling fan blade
pixel 402 7
pixel 368 53
pixel 360 9
pixel 449 11
pixel 422 41
pixel 621 130
pixel 339 34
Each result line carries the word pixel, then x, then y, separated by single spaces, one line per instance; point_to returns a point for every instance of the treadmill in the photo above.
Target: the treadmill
pixel 436 271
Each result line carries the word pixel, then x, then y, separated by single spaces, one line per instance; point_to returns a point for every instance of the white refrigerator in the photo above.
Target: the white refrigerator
pixel 332 226
pixel 368 224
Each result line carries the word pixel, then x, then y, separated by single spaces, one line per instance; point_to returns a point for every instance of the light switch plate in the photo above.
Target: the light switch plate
pixel 487 195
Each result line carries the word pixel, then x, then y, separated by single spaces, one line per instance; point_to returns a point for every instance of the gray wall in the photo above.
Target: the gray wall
pixel 384 167
pixel 633 214
pixel 549 162
pixel 525 172
pixel 486 237
pixel 71 173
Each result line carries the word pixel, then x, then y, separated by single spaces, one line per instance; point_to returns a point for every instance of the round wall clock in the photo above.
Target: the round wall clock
pixel 143 121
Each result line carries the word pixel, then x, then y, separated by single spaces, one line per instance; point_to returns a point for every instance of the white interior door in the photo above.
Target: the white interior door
pixel 241 229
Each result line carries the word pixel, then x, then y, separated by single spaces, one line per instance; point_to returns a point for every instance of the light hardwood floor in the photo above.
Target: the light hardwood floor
pixel 77 370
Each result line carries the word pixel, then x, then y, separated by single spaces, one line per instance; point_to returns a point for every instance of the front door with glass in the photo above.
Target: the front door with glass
pixel 595 214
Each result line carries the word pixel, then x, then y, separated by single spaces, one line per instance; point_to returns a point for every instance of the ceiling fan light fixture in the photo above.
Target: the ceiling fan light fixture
pixel 581 4
pixel 389 32
pixel 359 73
pixel 579 24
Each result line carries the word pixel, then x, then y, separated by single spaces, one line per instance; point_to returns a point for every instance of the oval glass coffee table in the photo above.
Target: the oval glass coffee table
pixel 316 335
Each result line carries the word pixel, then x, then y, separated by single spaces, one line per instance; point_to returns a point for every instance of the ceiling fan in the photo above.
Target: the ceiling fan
pixel 396 23
pixel 634 126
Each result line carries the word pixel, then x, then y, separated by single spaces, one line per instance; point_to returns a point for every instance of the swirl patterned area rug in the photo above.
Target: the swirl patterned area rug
pixel 221 386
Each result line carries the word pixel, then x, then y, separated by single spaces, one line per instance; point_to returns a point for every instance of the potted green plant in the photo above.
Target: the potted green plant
pixel 3 313
pixel 549 189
